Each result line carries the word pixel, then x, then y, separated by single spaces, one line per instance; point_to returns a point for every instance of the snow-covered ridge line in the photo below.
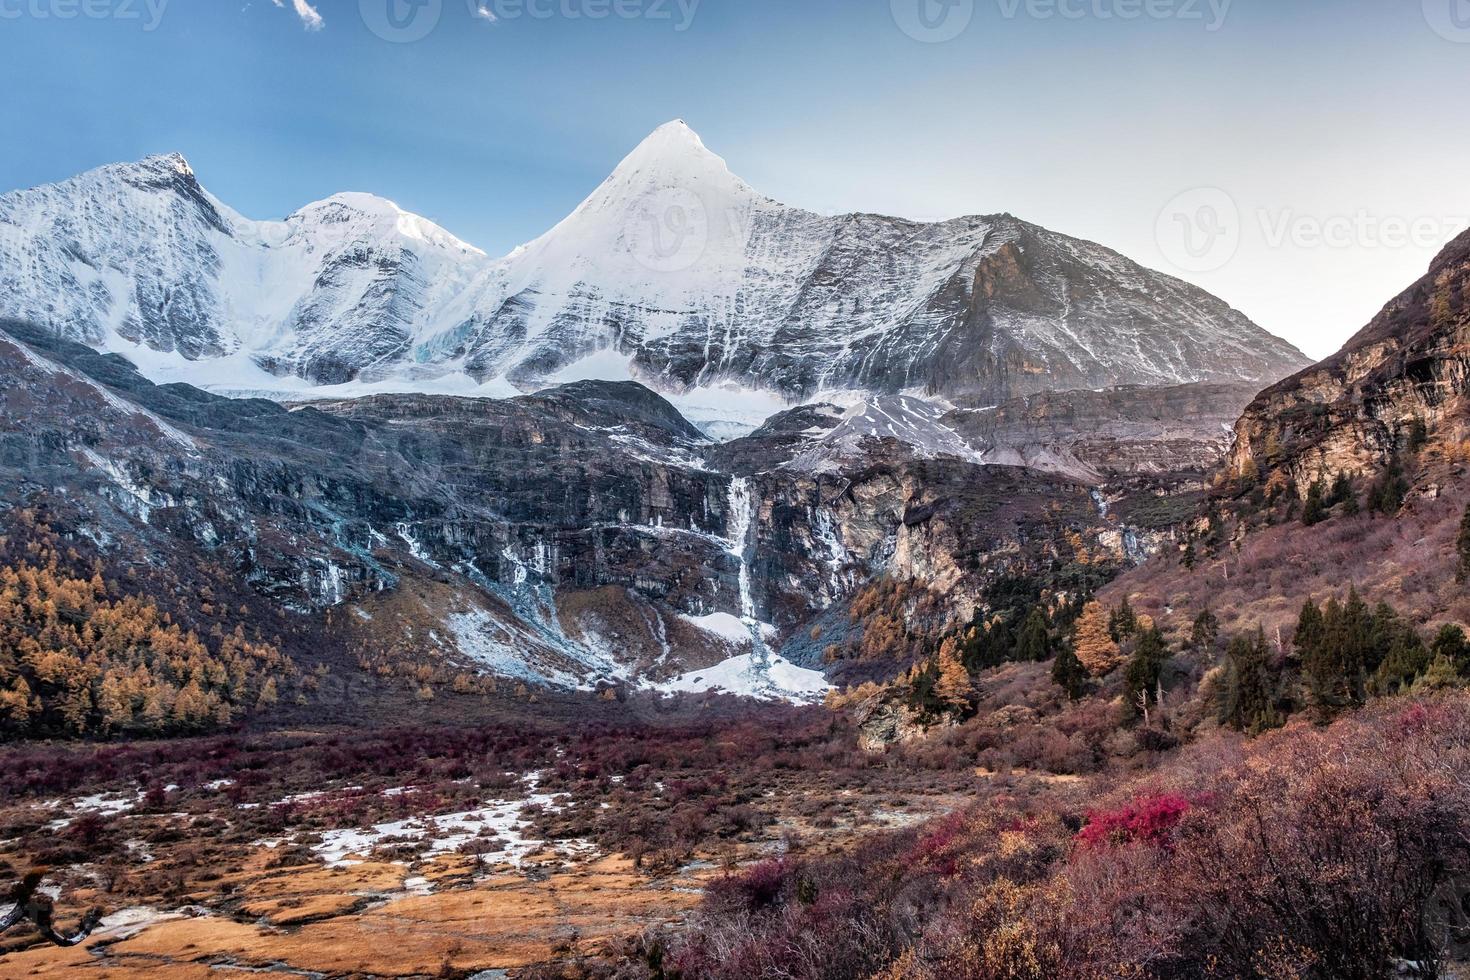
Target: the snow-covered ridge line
pixel 673 271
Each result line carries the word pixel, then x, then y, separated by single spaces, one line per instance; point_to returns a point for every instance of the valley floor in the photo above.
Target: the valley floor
pixel 423 869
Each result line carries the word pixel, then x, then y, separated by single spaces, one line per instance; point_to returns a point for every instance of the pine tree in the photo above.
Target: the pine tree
pixel 1123 623
pixel 1441 675
pixel 1034 644
pixel 1206 631
pixel 1315 511
pixel 1146 668
pixel 1308 630
pixel 1406 660
pixel 988 645
pixel 1068 673
pixel 1388 493
pixel 1450 642
pixel 1249 700
pixel 1336 649
pixel 1094 645
pixel 1418 434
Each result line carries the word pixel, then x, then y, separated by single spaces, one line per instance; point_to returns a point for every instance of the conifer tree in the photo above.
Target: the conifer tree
pixel 1249 700
pixel 1388 492
pixel 1094 645
pixel 1205 632
pixel 1441 675
pixel 1315 511
pixel 1068 673
pixel 1146 668
pixel 1407 659
pixel 1034 644
pixel 1308 629
pixel 1450 643
pixel 952 687
pixel 988 645
pixel 1123 623
pixel 1462 548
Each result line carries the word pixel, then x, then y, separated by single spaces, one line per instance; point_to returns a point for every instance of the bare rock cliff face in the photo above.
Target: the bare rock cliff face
pixel 1403 378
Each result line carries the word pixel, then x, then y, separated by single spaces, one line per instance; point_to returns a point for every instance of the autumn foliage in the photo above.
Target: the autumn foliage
pixel 1095 645
pixel 1145 820
pixel 1316 854
pixel 75 661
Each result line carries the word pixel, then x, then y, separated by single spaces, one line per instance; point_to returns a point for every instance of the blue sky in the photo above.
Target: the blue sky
pixel 1093 117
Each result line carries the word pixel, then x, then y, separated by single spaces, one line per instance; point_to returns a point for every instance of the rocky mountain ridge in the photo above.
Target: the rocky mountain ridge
pixel 674 272
pixel 1398 384
pixel 581 536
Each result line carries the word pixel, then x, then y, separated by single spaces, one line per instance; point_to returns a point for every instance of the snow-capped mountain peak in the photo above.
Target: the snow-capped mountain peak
pixel 174 162
pixel 673 156
pixel 357 213
pixel 673 271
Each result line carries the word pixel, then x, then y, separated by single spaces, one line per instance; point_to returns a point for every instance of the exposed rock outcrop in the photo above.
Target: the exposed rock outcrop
pixel 1401 380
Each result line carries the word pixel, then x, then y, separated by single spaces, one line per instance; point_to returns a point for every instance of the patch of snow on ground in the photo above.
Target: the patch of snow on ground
pixel 128 922
pixel 726 626
pixel 102 804
pixel 446 833
pixel 480 637
pixel 769 678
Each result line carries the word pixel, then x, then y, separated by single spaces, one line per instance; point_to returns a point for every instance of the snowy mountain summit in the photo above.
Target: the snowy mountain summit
pixel 674 272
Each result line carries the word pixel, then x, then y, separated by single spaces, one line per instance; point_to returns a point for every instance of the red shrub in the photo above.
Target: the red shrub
pixel 1147 820
pixel 753 889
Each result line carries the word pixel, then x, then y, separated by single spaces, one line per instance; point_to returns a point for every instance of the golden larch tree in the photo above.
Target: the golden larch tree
pixel 953 685
pixel 1095 646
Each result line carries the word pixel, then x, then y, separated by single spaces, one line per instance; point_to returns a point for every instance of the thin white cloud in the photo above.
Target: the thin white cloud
pixel 310 19
pixel 484 13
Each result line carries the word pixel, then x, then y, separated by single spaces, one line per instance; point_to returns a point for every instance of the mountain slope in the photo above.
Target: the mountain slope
pixel 674 272
pixel 584 535
pixel 1386 420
